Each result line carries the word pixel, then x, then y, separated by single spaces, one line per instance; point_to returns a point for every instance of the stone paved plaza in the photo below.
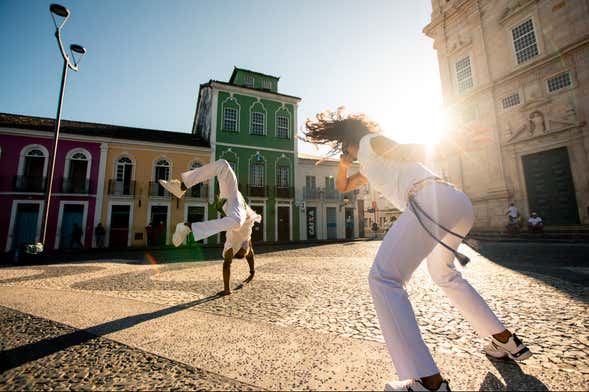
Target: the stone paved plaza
pixel 305 322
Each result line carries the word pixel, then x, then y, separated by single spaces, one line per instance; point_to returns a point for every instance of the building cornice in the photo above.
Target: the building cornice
pixel 254 92
pixel 255 147
pixel 94 139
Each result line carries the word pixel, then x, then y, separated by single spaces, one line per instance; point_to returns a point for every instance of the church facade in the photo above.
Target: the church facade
pixel 515 78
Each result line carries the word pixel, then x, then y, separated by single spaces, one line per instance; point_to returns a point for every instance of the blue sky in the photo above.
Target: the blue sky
pixel 147 58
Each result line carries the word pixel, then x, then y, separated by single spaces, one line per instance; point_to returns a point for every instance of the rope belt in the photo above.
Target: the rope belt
pixel 420 213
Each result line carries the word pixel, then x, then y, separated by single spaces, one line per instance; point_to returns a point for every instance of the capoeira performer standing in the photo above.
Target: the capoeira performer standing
pixel 435 221
pixel 237 217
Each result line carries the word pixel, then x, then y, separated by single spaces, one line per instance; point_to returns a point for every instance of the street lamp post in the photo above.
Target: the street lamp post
pixel 60 11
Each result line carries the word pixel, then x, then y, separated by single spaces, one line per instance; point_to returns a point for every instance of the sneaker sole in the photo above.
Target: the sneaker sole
pixel 179 235
pixel 525 355
pixel 171 189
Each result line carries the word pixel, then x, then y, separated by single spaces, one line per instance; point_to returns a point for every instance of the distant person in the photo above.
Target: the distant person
pixel 149 234
pixel 512 213
pixel 160 232
pixel 237 218
pixel 535 224
pixel 76 237
pixel 99 233
pixel 375 229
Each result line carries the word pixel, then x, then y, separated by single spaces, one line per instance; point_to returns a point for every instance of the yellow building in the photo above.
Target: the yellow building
pixel 135 210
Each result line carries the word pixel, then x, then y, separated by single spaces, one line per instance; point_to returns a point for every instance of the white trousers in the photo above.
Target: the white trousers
pixel 234 208
pixel 402 250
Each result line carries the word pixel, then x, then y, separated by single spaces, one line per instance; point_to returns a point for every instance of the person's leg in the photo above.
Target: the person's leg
pixel 227 258
pixel 221 169
pixel 461 294
pixel 402 250
pixel 250 261
pixel 441 268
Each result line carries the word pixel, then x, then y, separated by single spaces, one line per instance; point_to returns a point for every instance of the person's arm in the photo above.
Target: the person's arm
pixel 387 148
pixel 343 183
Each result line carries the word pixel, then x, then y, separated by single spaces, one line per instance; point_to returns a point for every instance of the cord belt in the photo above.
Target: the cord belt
pixel 420 213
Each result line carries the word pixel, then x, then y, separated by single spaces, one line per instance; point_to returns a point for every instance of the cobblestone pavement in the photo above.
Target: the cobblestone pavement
pixel 324 289
pixel 39 354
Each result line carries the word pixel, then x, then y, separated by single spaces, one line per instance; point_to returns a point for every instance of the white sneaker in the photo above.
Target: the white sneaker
pixel 414 385
pixel 514 349
pixel 174 187
pixel 180 234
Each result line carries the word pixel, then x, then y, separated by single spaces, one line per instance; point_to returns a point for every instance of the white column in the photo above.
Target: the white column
pixel 100 188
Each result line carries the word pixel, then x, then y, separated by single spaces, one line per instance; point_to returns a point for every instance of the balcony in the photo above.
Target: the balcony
pixel 121 188
pixel 257 191
pixel 331 194
pixel 311 193
pixel 199 191
pixel 75 185
pixel 284 192
pixel 29 184
pixel 156 190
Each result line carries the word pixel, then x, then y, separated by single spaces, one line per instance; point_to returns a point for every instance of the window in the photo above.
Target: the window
pixel 510 101
pixel 257 175
pixel 464 74
pixel 559 82
pixel 249 81
pixel 77 174
pixel 267 84
pixel 124 169
pixel 230 119
pixel 524 42
pixel 282 176
pixel 310 182
pixel 330 183
pixel 162 170
pixel 257 123
pixel 282 127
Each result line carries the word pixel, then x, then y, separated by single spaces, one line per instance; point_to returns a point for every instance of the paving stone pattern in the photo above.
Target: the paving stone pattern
pixel 52 356
pixel 325 289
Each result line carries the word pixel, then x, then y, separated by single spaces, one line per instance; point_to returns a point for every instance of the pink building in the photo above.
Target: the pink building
pixel 25 145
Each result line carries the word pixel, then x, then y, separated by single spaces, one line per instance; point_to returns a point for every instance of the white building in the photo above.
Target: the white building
pixel 516 75
pixel 325 214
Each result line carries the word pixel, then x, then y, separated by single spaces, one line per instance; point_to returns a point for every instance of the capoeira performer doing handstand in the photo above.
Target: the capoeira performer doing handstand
pixel 237 217
pixel 435 221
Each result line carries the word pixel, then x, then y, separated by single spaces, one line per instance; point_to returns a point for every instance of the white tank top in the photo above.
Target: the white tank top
pixel 391 178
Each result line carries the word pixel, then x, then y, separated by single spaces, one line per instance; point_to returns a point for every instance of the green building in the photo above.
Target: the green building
pixel 251 125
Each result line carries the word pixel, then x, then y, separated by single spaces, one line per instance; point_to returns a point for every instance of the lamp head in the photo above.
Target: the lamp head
pixel 77 49
pixel 59 10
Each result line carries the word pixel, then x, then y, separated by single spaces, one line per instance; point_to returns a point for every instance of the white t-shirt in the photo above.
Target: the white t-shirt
pixel 391 178
pixel 534 221
pixel 512 212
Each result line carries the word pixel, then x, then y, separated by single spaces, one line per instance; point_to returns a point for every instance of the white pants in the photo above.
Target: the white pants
pixel 402 250
pixel 234 208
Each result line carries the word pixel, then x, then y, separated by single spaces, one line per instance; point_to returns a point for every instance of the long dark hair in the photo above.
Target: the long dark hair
pixel 338 130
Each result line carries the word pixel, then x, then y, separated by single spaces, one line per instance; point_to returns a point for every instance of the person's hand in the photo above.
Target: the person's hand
pixel 345 161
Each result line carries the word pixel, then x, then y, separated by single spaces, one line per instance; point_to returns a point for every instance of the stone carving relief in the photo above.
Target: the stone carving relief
pixel 537 123
pixel 462 40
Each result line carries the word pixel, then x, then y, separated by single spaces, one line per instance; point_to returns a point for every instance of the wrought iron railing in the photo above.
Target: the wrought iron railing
pixel 121 188
pixel 29 184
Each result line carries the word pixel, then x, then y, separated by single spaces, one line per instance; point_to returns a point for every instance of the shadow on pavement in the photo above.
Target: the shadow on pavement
pixel 15 357
pixel 515 379
pixel 562 266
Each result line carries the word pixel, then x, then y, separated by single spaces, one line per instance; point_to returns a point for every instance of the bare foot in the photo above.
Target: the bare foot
pixel 225 292
pixel 249 278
